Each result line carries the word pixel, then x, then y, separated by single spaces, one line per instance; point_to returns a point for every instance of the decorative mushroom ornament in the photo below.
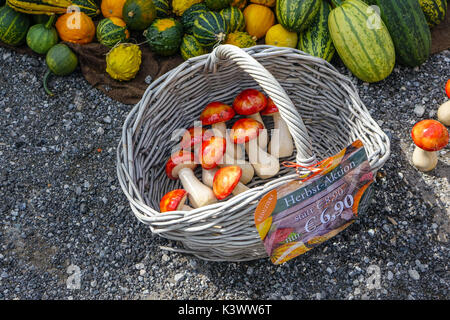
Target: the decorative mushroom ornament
pixel 443 113
pixel 174 200
pixel 249 103
pixel 281 144
pixel 210 155
pixel 226 182
pixel 246 131
pixel 181 166
pixel 429 136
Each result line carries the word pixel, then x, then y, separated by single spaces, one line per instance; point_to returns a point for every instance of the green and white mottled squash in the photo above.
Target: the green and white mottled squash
pixel 13 26
pixel 111 31
pixel 190 47
pixel 210 28
pixel 190 15
pixel 368 52
pixel 434 11
pixel 316 40
pixel 164 36
pixel 296 15
pixel 42 37
pixel 234 19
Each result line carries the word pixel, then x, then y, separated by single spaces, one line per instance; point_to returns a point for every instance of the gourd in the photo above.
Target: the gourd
pixel 111 31
pixel 210 28
pixel 217 5
pixel 123 61
pixel 41 37
pixel 434 11
pixel 13 26
pixel 180 6
pixel 53 6
pixel 87 6
pixel 164 36
pixel 190 15
pixel 190 47
pixel 61 61
pixel 296 15
pixel 280 37
pixel 234 19
pixel 267 3
pixel 241 39
pixel 162 8
pixel 112 8
pixel 139 14
pixel 258 20
pixel 75 27
pixel 368 52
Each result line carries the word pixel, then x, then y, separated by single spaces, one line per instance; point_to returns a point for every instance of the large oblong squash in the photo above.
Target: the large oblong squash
pixel 365 48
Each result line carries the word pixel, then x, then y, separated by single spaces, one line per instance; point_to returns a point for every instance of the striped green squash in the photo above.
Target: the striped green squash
pixel 408 29
pixel 234 19
pixel 434 11
pixel 191 14
pixel 111 31
pixel 13 26
pixel 316 40
pixel 190 47
pixel 296 15
pixel 162 8
pixel 367 51
pixel 210 28
pixel 87 6
pixel 164 36
pixel 217 5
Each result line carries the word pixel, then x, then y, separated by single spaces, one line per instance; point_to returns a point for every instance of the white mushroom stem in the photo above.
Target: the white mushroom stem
pixel 220 129
pixel 265 164
pixel 240 188
pixel 185 208
pixel 424 160
pixel 199 194
pixel 248 171
pixel 208 176
pixel 263 137
pixel 443 113
pixel 281 144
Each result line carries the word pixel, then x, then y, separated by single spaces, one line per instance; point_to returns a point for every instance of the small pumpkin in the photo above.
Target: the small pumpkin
pixel 61 61
pixel 280 37
pixel 234 19
pixel 190 47
pixel 241 39
pixel 258 20
pixel 267 3
pixel 13 26
pixel 180 6
pixel 123 61
pixel 210 28
pixel 112 8
pixel 139 14
pixel 41 37
pixel 238 3
pixel 75 27
pixel 164 36
pixel 111 31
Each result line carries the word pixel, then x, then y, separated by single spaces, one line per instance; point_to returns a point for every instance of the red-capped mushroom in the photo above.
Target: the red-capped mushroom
pixel 227 181
pixel 210 155
pixel 174 200
pixel 429 136
pixel 181 166
pixel 193 137
pixel 246 131
pixel 281 144
pixel 249 103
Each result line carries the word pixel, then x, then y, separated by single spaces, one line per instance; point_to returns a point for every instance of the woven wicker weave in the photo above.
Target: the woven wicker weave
pixel 327 117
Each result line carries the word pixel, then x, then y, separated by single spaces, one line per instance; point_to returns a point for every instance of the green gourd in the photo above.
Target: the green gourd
pixel 13 26
pixel 61 61
pixel 41 37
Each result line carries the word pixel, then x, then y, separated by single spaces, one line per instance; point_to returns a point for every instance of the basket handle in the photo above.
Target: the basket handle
pixel 275 91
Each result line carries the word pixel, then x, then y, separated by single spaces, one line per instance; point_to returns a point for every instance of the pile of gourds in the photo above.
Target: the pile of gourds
pixel 368 35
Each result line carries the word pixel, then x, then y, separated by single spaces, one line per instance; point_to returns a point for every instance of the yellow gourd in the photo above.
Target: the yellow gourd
pixel 258 19
pixel 180 6
pixel 123 61
pixel 241 39
pixel 280 37
pixel 268 3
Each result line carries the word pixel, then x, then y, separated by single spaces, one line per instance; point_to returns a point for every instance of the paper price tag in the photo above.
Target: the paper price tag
pixel 300 215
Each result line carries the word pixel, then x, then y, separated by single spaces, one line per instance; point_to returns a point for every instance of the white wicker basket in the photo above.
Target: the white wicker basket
pixel 321 107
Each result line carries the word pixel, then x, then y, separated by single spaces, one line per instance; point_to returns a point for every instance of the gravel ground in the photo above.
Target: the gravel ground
pixel 62 209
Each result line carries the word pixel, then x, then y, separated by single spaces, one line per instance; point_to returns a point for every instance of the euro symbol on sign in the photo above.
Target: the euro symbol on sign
pixel 374 20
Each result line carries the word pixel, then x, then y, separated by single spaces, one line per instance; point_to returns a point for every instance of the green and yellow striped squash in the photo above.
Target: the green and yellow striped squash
pixel 13 26
pixel 217 5
pixel 434 11
pixel 190 15
pixel 408 28
pixel 296 15
pixel 164 36
pixel 53 6
pixel 87 6
pixel 367 50
pixel 111 31
pixel 241 39
pixel 210 28
pixel 234 19
pixel 190 47
pixel 162 8
pixel 316 40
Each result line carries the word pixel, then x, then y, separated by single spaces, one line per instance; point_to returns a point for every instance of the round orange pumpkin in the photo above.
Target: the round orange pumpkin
pixel 258 20
pixel 112 8
pixel 75 27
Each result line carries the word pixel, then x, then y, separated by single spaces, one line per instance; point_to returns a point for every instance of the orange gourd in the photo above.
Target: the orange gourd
pixel 75 27
pixel 112 8
pixel 258 19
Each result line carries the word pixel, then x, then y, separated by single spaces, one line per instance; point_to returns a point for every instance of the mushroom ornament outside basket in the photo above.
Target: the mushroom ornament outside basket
pixel 320 107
